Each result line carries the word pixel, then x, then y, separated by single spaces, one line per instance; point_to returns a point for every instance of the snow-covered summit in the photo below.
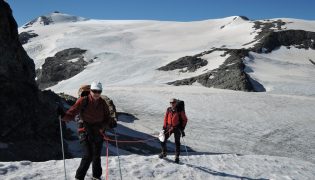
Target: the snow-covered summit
pixel 53 18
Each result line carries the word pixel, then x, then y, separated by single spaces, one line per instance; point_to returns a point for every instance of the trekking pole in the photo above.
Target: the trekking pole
pixel 185 148
pixel 117 152
pixel 63 152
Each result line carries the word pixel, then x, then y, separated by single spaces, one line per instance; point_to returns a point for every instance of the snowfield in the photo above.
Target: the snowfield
pixel 284 71
pixel 229 166
pixel 230 134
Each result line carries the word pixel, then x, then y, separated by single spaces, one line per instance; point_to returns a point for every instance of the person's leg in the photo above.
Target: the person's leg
pixel 177 135
pixel 96 164
pixel 85 161
pixel 163 145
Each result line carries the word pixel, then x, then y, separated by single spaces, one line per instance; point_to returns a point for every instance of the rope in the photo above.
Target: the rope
pixel 130 141
pixel 107 139
pixel 117 153
pixel 125 141
pixel 62 149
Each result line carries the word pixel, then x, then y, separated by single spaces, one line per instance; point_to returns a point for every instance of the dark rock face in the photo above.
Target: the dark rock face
pixel 29 128
pixel 230 75
pixel 192 63
pixel 26 36
pixel 244 18
pixel 297 38
pixel 59 67
pixel 268 39
pixel 266 26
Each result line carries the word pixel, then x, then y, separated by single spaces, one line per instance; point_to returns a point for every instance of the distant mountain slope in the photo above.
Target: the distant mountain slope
pixel 134 52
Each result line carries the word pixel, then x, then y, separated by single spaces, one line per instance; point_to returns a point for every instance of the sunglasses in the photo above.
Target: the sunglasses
pixel 96 91
pixel 172 102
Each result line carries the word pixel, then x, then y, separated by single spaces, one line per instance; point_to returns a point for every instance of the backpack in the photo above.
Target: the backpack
pixel 180 107
pixel 84 91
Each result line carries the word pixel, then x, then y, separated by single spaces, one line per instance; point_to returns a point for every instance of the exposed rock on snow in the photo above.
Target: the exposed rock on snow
pixel 297 38
pixel 192 63
pixel 59 67
pixel 273 34
pixel 230 75
pixel 26 36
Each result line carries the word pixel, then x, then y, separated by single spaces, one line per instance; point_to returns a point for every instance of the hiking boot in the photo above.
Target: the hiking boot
pixel 177 159
pixel 162 155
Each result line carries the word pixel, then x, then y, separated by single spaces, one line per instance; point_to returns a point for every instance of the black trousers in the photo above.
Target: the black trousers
pixel 91 153
pixel 177 134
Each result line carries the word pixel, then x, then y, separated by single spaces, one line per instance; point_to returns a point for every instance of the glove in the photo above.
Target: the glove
pixel 183 133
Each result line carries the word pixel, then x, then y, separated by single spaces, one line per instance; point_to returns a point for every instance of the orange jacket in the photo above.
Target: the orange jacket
pixel 95 112
pixel 172 118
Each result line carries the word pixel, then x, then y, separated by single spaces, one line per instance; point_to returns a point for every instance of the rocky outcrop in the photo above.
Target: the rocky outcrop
pixel 29 127
pixel 245 18
pixel 269 39
pixel 230 75
pixel 191 63
pixel 297 38
pixel 64 65
pixel 267 26
pixel 26 36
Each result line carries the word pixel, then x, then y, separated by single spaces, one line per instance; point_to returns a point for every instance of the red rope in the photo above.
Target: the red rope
pixel 135 141
pixel 130 141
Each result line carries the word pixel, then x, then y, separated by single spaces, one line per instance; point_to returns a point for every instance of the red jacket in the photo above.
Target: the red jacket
pixel 172 118
pixel 95 112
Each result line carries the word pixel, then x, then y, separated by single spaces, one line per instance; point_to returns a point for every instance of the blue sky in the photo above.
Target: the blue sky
pixel 174 10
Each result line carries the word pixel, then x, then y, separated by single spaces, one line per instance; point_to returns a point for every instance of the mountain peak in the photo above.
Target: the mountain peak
pixel 53 18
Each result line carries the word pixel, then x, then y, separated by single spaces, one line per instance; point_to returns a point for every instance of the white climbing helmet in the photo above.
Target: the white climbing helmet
pixel 96 86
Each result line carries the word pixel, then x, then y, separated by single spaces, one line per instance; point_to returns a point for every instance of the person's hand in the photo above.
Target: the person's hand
pixel 183 133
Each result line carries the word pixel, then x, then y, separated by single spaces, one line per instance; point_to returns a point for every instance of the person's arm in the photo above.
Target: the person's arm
pixel 73 111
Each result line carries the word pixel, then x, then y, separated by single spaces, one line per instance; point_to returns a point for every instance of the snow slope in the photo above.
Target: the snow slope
pixel 148 167
pixel 284 71
pixel 150 43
